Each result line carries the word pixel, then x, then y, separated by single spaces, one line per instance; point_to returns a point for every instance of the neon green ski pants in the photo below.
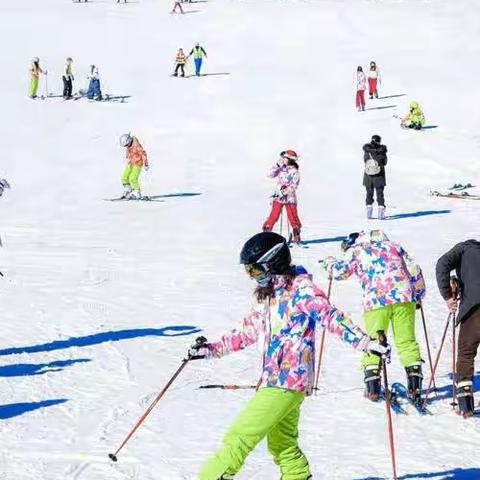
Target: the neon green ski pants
pixel 402 318
pixel 130 176
pixel 33 87
pixel 273 413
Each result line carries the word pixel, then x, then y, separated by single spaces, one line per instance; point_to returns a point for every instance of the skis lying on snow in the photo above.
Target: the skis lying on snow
pixel 460 186
pixel 401 392
pixel 463 195
pixel 142 199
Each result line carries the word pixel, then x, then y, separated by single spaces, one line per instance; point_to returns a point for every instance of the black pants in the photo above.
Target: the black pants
pixel 468 342
pixel 380 197
pixel 67 87
pixel 180 66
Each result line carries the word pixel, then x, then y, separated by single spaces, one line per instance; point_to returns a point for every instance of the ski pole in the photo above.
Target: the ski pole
pixel 454 361
pixel 113 456
pixel 322 342
pixel 437 360
pixel 383 341
pixel 281 221
pixel 428 349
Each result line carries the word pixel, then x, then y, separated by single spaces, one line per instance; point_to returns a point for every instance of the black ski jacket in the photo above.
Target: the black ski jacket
pixel 378 153
pixel 464 258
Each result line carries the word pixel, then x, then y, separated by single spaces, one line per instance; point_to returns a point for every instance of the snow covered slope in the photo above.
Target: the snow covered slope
pixel 100 300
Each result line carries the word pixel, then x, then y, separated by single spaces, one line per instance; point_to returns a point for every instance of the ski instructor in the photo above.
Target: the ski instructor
pixel 286 307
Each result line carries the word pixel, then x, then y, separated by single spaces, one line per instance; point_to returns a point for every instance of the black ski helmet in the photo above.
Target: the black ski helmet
pixel 349 241
pixel 269 249
pixel 376 139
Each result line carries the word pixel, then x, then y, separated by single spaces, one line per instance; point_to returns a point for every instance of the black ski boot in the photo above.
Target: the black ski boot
pixel 465 399
pixel 414 382
pixel 372 382
pixel 296 235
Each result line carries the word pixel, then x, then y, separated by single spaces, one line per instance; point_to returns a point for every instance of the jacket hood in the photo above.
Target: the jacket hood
pixel 371 236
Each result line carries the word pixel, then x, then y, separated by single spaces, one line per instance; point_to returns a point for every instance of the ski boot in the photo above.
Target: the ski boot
pixel 414 382
pixel 369 212
pixel 127 190
pixel 466 405
pixel 135 195
pixel 296 235
pixel 381 213
pixel 372 382
pixel 371 96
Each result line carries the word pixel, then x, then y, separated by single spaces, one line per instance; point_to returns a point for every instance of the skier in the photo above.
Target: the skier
pixel 67 79
pixel 3 185
pixel 375 159
pixel 94 91
pixel 285 309
pixel 136 159
pixel 180 61
pixel 198 53
pixel 286 171
pixel 464 258
pixel 361 83
pixel 179 5
pixel 373 79
pixel 415 118
pixel 35 71
pixel 393 285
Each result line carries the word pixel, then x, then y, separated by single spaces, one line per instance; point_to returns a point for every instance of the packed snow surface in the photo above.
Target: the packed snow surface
pixel 100 300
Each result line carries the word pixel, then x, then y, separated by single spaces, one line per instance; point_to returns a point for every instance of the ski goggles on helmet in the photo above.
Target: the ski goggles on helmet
pixel 259 273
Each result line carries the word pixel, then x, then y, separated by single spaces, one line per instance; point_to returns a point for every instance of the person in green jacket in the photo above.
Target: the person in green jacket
pixel 415 117
pixel 35 71
pixel 67 79
pixel 198 53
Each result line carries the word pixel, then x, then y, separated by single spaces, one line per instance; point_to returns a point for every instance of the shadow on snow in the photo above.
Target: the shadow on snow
pixel 97 338
pixel 381 108
pixel 445 392
pixel 181 194
pixel 324 240
pixel 392 96
pixel 15 409
pixel 421 213
pixel 454 474
pixel 27 369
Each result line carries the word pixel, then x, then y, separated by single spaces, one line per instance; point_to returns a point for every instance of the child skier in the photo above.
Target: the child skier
pixel 136 159
pixel 198 53
pixel 373 80
pixel 392 287
pixel 35 71
pixel 361 84
pixel 285 309
pixel 175 5
pixel 180 61
pixel 67 79
pixel 286 171
pixel 415 118
pixel 93 78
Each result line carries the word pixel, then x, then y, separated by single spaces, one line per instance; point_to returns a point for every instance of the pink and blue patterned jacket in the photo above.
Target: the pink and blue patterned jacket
pixel 287 327
pixel 288 179
pixel 386 272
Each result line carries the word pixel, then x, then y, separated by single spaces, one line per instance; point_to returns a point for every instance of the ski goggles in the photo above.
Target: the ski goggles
pixel 259 273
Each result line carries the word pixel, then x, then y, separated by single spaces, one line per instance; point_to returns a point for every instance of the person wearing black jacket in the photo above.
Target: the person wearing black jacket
pixel 375 152
pixel 464 258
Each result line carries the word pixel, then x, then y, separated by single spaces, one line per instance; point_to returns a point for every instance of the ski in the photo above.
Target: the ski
pixel 123 199
pixel 459 186
pixel 401 392
pixel 464 195
pixel 395 405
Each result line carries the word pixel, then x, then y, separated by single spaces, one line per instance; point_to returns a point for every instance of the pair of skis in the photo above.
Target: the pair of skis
pixel 399 396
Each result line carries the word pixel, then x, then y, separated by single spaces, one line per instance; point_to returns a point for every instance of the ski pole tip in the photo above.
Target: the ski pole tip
pixel 112 457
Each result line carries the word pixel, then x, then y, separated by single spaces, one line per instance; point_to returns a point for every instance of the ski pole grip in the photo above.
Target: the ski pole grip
pixel 382 338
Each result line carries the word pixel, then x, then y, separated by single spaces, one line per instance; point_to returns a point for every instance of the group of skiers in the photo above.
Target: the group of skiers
pixel 197 52
pixel 92 92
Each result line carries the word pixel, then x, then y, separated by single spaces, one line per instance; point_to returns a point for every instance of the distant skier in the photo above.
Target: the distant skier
pixel 180 61
pixel 94 91
pixel 373 80
pixel 124 1
pixel 415 117
pixel 35 71
pixel 375 159
pixel 464 258
pixel 3 185
pixel 67 79
pixel 286 307
pixel 136 159
pixel 198 53
pixel 361 85
pixel 393 285
pixel 175 5
pixel 286 171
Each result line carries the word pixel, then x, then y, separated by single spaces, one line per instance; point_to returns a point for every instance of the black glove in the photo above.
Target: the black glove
pixel 199 349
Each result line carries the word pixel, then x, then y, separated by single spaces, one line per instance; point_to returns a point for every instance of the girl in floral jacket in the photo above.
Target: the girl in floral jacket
pixel 288 178
pixel 287 305
pixel 393 285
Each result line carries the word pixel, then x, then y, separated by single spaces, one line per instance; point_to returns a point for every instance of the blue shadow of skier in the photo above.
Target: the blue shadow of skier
pixel 97 338
pixel 181 194
pixel 454 474
pixel 324 240
pixel 422 213
pixel 27 369
pixel 15 409
pixel 445 392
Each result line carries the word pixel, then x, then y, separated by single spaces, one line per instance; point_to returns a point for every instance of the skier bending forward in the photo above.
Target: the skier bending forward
pixel 286 307
pixel 136 159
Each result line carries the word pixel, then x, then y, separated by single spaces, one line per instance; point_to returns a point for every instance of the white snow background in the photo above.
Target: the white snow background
pixel 81 272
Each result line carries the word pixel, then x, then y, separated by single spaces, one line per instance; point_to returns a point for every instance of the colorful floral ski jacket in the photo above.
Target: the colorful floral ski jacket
pixel 386 272
pixel 286 325
pixel 136 155
pixel 288 179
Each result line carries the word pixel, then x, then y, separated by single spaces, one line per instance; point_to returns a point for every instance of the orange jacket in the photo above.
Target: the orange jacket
pixel 136 155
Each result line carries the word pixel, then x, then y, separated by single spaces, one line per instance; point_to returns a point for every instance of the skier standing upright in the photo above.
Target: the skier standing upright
pixel 35 71
pixel 67 78
pixel 375 159
pixel 286 307
pixel 286 172
pixel 175 5
pixel 198 52
pixel 94 91
pixel 393 285
pixel 464 258
pixel 180 61
pixel 373 80
pixel 361 85
pixel 136 160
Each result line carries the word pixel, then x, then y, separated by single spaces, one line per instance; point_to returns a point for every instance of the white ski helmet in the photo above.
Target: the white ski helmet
pixel 126 140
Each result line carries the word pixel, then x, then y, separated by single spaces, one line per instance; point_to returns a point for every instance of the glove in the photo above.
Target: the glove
pixel 374 347
pixel 199 349
pixel 325 262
